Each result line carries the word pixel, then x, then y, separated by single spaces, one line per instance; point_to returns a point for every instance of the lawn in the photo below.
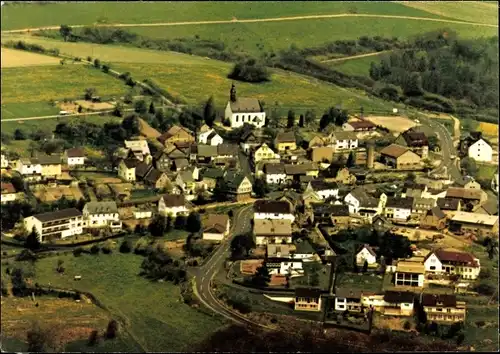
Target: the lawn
pixel 28 109
pixel 368 282
pixel 46 83
pixel 357 67
pixel 486 171
pixel 155 315
pixel 25 16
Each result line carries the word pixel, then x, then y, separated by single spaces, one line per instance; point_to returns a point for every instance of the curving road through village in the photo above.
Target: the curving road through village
pixel 204 275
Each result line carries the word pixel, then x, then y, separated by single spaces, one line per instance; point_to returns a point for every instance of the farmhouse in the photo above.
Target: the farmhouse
pixel 74 157
pixel 400 157
pixel 244 110
pixel 324 189
pixel 308 299
pixel 479 224
pixel 359 126
pixel 433 219
pixel 272 231
pixel 272 209
pixel 469 198
pixel 8 193
pixel 343 140
pixel 443 308
pixel 275 173
pixel 215 227
pixel 176 134
pixel 56 225
pixel 102 214
pixel 451 262
pixel 285 141
pixel 172 204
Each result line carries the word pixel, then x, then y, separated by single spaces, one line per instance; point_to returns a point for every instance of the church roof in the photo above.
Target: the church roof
pixel 245 105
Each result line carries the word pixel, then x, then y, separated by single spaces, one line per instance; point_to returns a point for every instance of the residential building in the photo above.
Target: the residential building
pixel 409 274
pixel 366 254
pixel 330 214
pixel 215 227
pixel 206 153
pixel 142 213
pixel 284 267
pixel 422 205
pixel 345 177
pixel 481 151
pixel 238 185
pixel 27 166
pixel 249 139
pixel 468 182
pixel 209 137
pixel 272 209
pixel 304 251
pixel 285 141
pixel 272 231
pixel 317 141
pixel 5 161
pixel 348 300
pixel 469 198
pixel 449 206
pixel 398 208
pixel 46 166
pixel 8 193
pixel 139 148
pixel 308 299
pixel 176 134
pixel 344 140
pixel 275 173
pixel 74 157
pixel 264 152
pixel 477 224
pixel 56 225
pixel 102 214
pixel 157 179
pixel 400 157
pixel 359 126
pixel 322 154
pixel 209 177
pixel 244 110
pixel 274 250
pixel 141 170
pixel 225 153
pixel 433 219
pixel 415 141
pixel 443 308
pixel 173 204
pixel 398 303
pixel 295 171
pixel 186 181
pixel 360 202
pixel 324 189
pixel 126 169
pixel 161 161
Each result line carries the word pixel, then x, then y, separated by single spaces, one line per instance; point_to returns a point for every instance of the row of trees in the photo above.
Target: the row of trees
pixel 161 225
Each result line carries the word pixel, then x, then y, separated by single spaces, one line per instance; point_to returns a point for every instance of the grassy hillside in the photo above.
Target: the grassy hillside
pixel 254 38
pixel 358 66
pixel 33 15
pixel 474 11
pixel 196 78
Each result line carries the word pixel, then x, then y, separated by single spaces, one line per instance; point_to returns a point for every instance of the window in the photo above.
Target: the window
pixel 432 267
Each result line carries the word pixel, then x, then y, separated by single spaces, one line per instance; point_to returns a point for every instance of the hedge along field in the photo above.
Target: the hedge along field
pixel 244 37
pixel 196 78
pixel 358 67
pixel 155 315
pixel 20 16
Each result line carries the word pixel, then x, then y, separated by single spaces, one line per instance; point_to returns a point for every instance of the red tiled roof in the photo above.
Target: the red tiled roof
pixel 452 256
pixel 8 188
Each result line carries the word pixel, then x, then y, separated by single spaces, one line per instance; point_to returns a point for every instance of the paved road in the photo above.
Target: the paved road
pixel 62 116
pixel 447 149
pixel 234 20
pixel 205 274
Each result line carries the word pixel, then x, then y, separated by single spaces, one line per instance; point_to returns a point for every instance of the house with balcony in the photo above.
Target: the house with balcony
pixel 278 231
pixel 102 214
pixel 348 300
pixel 409 274
pixel 343 140
pixel 443 308
pixel 442 262
pixel 398 209
pixel 275 173
pixel 56 225
pixel 308 299
pixel 398 303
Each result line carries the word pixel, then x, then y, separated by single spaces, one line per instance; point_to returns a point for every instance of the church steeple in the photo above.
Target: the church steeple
pixel 232 95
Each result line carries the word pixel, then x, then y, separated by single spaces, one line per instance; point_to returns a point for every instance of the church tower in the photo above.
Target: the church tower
pixel 232 95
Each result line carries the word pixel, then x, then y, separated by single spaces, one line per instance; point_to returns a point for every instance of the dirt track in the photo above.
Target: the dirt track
pixel 354 57
pixel 274 19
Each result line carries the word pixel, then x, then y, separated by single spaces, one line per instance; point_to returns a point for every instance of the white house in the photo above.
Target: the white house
pixel 102 214
pixel 343 140
pixel 292 267
pixel 324 189
pixel 172 204
pixel 139 147
pixel 348 299
pixel 75 157
pixel 215 227
pixel 26 166
pixel 5 161
pixel 142 213
pixel 367 254
pixel 409 274
pixel 8 193
pixel 244 110
pixel 481 151
pixel 210 137
pixel 272 209
pixel 275 173
pixel 360 202
pixel 399 208
pixel 451 262
pixel 56 225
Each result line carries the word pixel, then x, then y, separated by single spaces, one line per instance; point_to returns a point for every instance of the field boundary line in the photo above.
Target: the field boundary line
pixel 271 19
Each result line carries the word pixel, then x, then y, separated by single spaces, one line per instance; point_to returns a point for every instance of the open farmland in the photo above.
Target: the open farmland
pixel 17 16
pixel 195 78
pixel 394 123
pixel 14 58
pixel 473 11
pixel 357 66
pixel 488 129
pixel 157 321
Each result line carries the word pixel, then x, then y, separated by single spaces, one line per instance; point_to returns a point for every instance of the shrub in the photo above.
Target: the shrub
pixel 94 249
pixel 407 325
pixel 77 252
pixel 93 338
pixel 249 71
pixel 112 330
pixel 106 250
pixel 125 247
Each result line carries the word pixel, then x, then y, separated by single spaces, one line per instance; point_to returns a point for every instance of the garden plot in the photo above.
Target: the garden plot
pixel 395 124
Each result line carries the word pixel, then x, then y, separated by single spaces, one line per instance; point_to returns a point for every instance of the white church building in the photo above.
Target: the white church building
pixel 244 110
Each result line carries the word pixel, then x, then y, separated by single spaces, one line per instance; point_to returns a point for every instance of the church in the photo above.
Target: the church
pixel 244 110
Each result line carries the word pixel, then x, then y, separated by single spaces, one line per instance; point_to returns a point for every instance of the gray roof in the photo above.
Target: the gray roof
pixel 321 185
pixel 274 168
pixel 233 179
pixel 46 160
pixel 406 203
pixel 227 149
pixel 173 200
pixel 343 135
pixel 187 176
pixel 181 163
pixel 304 247
pixel 245 105
pixel 212 173
pixel 285 137
pixel 101 207
pixel 58 215
pixel 300 168
pixel 75 152
pixel 448 203
pixel 348 293
pixel 207 151
pixel 142 169
pixel 131 163
pixel 365 200
pixel 437 212
pixel 153 175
